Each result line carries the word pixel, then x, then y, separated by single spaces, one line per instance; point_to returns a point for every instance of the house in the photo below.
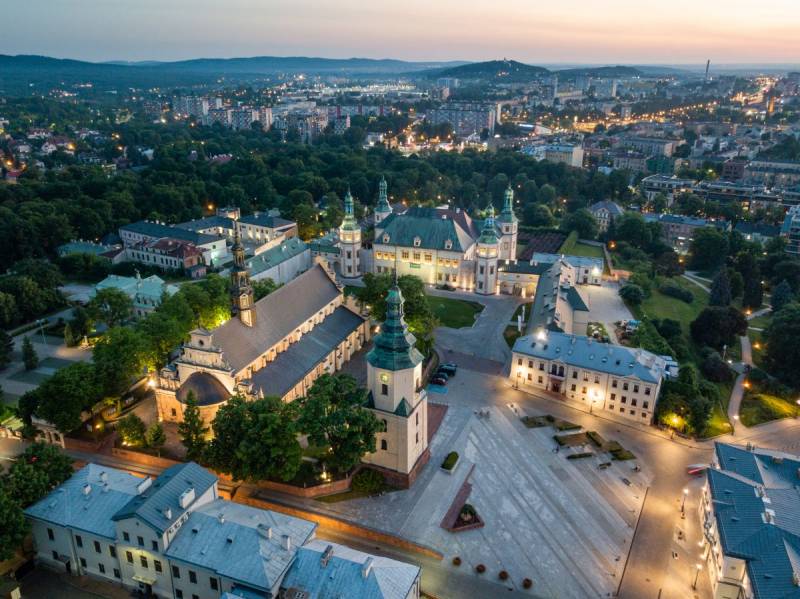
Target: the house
pixel 604 212
pixel 145 293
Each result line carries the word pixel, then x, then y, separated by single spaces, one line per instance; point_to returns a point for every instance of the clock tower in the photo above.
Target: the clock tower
pixel 394 380
pixel 242 304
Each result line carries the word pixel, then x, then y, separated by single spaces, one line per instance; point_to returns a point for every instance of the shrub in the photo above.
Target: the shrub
pixel 632 294
pixel 480 568
pixel 596 438
pixel 715 369
pixel 368 481
pixel 566 425
pixel 456 561
pixel 132 430
pixel 503 575
pixel 674 290
pixel 578 456
pixel 527 583
pixel 450 461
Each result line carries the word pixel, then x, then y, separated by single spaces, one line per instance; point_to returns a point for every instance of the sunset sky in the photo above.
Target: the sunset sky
pixel 562 31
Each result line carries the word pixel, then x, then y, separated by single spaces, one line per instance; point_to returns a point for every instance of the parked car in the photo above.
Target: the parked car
pixel 439 380
pixel 626 481
pixel 442 374
pixel 448 368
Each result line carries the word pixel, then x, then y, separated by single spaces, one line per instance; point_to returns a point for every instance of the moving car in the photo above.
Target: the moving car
pixel 449 368
pixel 438 380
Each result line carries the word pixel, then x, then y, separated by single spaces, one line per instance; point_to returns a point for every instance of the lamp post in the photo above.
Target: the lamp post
pixel 697 575
pixel 797 409
pixel 683 503
pixel 733 424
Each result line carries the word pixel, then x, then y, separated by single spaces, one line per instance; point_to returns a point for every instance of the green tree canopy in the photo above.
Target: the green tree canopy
pixel 717 326
pixel 110 306
pixel 192 429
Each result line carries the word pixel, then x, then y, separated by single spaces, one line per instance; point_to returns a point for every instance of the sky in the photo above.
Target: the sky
pixel 533 31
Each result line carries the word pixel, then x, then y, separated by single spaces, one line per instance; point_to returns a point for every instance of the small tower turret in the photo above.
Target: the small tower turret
pixel 382 208
pixel 349 240
pixel 509 225
pixel 486 257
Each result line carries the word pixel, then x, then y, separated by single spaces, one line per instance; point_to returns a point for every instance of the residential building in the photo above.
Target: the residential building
pixel 733 169
pixel 170 254
pixel 669 186
pixel 465 118
pixel 630 160
pixel 282 262
pixel 578 270
pixel 773 173
pixel 397 397
pixel 608 377
pixel 749 514
pixel 758 232
pixel 175 537
pixel 604 212
pixel 213 247
pixel 678 230
pixel 750 197
pixel 569 154
pixel 278 345
pixel 145 293
pixel 790 231
pixel 649 146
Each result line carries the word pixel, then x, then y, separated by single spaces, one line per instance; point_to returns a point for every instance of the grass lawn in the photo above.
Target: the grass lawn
pixel 518 311
pixel 353 494
pixel 718 423
pixel 590 251
pixel 760 407
pixel 659 305
pixel 454 313
pixel 760 322
pixel 511 334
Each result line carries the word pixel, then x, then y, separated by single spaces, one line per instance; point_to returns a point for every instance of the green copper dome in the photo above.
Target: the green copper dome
pixel 507 215
pixel 383 199
pixel 349 223
pixel 488 233
pixel 394 346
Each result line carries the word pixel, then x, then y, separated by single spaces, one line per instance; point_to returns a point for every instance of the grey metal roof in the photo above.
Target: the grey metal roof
pixel 69 506
pixel 613 208
pixel 748 483
pixel 524 268
pixel 583 352
pixel 349 573
pixel 289 367
pixel 575 261
pixel 575 300
pixel 285 250
pixel 277 315
pixel 158 230
pixel 208 222
pixel 265 220
pixel 151 505
pixel 239 542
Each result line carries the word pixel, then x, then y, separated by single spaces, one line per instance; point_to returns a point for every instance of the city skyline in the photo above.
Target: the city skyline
pixel 678 33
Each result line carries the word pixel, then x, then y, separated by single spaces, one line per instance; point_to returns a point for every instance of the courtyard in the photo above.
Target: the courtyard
pixel 565 524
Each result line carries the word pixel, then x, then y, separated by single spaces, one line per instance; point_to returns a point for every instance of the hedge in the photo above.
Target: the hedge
pixel 450 461
pixel 578 456
pixel 675 290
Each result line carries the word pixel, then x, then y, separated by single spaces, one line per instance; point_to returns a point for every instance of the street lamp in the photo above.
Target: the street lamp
pixel 733 424
pixel 797 411
pixel 697 575
pixel 683 503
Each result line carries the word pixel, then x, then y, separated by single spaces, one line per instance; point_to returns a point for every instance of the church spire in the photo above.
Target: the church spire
pixel 349 223
pixel 241 290
pixel 507 215
pixel 383 199
pixel 489 232
pixel 394 346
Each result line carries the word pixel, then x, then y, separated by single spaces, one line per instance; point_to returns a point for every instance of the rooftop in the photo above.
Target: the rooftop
pixel 432 226
pixel 285 250
pixel 152 229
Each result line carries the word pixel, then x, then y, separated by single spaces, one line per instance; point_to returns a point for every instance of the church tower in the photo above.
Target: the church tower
pixel 394 379
pixel 486 256
pixel 508 228
pixel 349 241
pixel 382 208
pixel 241 290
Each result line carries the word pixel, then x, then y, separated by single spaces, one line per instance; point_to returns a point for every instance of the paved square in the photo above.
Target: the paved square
pixel 563 523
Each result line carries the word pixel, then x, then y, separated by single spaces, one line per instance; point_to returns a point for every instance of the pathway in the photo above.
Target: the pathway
pixel 697 281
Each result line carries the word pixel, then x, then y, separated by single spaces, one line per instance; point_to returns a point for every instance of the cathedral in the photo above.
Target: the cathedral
pixel 276 346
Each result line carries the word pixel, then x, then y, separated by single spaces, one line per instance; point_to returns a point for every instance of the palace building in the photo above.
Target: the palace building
pixel 276 346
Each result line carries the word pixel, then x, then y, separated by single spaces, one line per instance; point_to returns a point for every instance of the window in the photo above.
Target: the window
pixel 583 390
pixel 624 386
pixel 102 568
pixel 55 555
pixel 157 565
pixel 624 399
pixel 480 285
pixel 116 573
pixel 539 380
pixel 519 361
pixel 129 557
pixel 194 596
pixel 647 390
pixel 622 410
pixel 417 256
pixel 596 380
pixel 541 365
pixel 636 388
pixel 97 547
pixel 530 363
pixel 646 404
pixel 611 407
pixel 404 254
pixel 214 584
pixel 644 414
pixel 585 377
pixel 154 545
pixel 614 383
pixel 140 540
pixel 83 563
pixel 384 447
pixel 574 374
pixel 78 541
pixel 176 572
pixel 178 594
pixel 50 534
pixel 143 561
pixel 126 536
pixel 192 576
pixel 633 412
pixel 384 389
pixel 572 388
pixel 112 551
pixel 633 401
pixel 480 270
pixel 613 396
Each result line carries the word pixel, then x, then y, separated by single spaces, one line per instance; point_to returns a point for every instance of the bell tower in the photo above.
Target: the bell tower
pixel 382 208
pixel 349 241
pixel 486 256
pixel 241 290
pixel 509 225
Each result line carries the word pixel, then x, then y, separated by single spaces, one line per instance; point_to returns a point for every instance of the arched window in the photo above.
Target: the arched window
pixel 385 425
pixel 384 445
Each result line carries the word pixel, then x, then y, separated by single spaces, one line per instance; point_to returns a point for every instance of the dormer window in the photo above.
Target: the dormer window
pixel 417 242
pixel 385 238
pixel 448 244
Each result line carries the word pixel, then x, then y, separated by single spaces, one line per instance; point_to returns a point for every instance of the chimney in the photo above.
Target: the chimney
pixel 221 518
pixel 366 568
pixel 326 556
pixel 87 488
pixel 104 476
pixel 168 513
pixel 286 542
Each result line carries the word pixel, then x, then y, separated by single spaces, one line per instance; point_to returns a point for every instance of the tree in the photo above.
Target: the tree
pixel 781 296
pixel 736 283
pixel 720 289
pixel 708 248
pixel 333 415
pixel 789 271
pixel 753 293
pixel 581 221
pixel 632 294
pixel 6 348
pixel 256 440
pixel 29 356
pixel 132 430
pixel 62 398
pixel 110 306
pixel 13 526
pixel 782 358
pixel 263 288
pixel 39 470
pixel 155 437
pixel 717 326
pixel 632 228
pixel 193 429
pixel 537 215
pixel 120 357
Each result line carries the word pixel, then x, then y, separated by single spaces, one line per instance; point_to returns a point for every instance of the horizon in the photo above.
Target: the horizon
pixel 724 31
